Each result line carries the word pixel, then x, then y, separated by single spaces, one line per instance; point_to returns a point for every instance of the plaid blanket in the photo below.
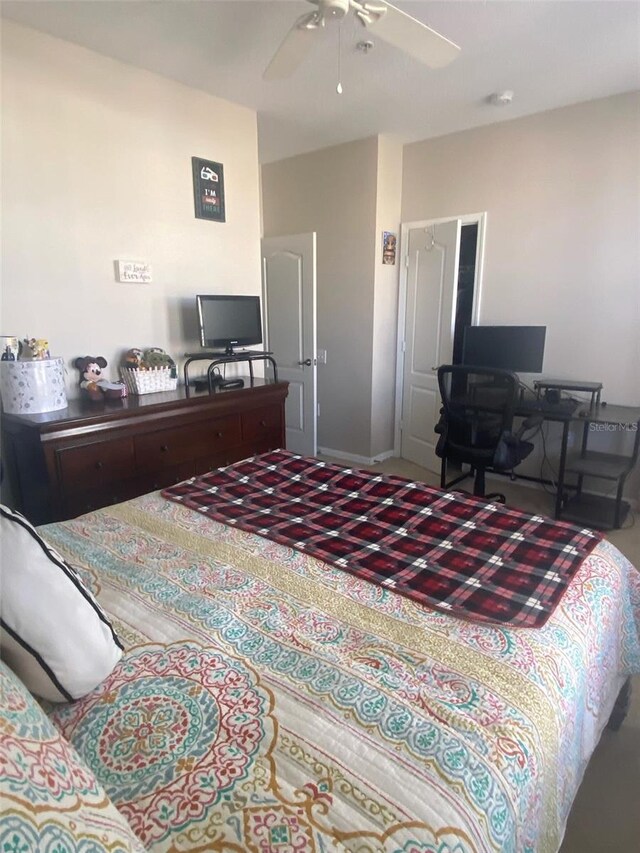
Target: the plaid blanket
pixel 475 559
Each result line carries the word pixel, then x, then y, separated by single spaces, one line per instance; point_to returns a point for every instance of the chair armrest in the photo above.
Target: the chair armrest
pixel 532 422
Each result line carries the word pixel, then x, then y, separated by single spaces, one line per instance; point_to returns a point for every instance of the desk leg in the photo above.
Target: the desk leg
pixel 563 460
pixel 583 450
pixel 618 509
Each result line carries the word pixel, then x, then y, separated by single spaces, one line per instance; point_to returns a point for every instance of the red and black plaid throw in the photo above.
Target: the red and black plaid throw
pixel 471 558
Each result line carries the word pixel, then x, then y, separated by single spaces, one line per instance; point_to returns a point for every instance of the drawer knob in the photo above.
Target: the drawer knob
pixel 99 465
pixel 164 448
pixel 218 435
pixel 263 423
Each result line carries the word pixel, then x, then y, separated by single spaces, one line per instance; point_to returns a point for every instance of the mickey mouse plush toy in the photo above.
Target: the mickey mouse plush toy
pixel 95 386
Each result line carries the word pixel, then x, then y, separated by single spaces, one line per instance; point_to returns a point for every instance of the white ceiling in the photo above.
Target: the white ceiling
pixel 550 52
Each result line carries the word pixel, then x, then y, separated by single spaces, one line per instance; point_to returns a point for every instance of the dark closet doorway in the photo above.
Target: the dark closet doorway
pixel 466 282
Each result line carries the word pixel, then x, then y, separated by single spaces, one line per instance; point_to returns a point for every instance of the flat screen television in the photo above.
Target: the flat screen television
pixel 516 348
pixel 229 321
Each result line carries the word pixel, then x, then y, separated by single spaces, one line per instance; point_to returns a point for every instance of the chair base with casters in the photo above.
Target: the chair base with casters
pixel 478 472
pixel 476 421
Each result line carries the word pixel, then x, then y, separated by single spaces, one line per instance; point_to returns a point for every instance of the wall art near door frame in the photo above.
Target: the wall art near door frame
pixel 389 244
pixel 208 189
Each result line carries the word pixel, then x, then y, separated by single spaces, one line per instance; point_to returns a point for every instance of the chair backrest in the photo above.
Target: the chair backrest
pixel 478 408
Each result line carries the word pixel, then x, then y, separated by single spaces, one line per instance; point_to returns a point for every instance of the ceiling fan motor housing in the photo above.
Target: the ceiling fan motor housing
pixel 334 8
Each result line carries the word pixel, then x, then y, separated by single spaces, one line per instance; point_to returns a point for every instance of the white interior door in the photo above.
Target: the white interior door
pixel 289 286
pixel 432 277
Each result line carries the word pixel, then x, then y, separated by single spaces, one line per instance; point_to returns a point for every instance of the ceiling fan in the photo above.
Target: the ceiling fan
pixel 380 18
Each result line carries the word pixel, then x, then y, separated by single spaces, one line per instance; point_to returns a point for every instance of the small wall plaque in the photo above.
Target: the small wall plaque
pixel 133 272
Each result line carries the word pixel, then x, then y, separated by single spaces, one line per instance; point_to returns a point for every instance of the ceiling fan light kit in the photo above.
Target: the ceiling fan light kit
pixel 335 9
pixel 389 23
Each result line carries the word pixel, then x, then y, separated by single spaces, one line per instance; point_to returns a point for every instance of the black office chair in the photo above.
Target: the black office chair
pixel 476 422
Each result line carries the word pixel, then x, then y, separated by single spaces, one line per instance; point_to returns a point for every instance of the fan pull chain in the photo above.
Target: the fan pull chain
pixel 339 86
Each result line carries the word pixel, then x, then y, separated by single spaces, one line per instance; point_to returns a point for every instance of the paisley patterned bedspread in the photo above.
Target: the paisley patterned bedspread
pixel 270 703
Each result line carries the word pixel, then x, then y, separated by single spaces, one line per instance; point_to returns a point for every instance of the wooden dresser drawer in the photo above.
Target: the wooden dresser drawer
pixel 87 500
pixel 265 445
pixel 169 447
pixel 98 464
pixel 220 460
pixel 165 477
pixel 262 423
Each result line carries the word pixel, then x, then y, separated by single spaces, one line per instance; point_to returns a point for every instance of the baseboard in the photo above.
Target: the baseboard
pixel 354 458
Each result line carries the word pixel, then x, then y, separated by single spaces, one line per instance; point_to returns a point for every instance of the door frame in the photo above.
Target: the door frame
pixel 405 227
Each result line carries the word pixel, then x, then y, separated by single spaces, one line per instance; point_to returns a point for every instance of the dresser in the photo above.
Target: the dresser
pixel 89 455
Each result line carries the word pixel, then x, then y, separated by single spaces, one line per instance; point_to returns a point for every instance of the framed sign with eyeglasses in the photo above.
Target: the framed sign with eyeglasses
pixel 208 189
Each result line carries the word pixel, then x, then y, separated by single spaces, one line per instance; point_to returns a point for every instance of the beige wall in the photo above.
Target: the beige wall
pixel 385 304
pixel 333 192
pixel 96 166
pixel 562 192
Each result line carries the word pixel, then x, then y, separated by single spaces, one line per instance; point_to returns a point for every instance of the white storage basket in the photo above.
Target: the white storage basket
pixel 148 381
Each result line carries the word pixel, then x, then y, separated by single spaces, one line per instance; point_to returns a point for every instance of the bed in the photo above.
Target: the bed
pixel 270 702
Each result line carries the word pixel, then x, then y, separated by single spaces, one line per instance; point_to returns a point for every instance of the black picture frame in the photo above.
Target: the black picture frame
pixel 208 189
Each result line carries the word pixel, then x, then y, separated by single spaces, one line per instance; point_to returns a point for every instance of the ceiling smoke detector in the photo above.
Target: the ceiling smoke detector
pixel 501 99
pixel 364 46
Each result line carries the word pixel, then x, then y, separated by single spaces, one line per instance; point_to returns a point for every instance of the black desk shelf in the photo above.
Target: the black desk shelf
pixel 609 466
pixel 593 388
pixel 597 510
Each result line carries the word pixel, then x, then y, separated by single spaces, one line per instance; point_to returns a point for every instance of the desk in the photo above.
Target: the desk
pixel 586 508
pixel 582 507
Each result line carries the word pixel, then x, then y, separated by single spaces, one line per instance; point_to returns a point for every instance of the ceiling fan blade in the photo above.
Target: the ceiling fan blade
pixel 296 45
pixel 406 33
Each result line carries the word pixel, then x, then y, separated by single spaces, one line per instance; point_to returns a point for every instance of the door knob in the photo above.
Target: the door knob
pixel 307 361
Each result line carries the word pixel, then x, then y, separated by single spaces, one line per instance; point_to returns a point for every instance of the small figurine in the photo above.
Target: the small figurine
pixel 7 355
pixel 93 383
pixel 154 357
pixel 33 349
pixel 133 359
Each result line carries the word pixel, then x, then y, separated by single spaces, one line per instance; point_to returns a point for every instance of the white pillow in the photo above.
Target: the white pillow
pixel 54 635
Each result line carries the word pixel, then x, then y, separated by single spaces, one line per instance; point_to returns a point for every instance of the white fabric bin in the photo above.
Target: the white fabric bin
pixel 33 387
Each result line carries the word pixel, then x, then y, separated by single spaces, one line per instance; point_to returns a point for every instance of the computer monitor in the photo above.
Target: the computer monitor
pixel 516 348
